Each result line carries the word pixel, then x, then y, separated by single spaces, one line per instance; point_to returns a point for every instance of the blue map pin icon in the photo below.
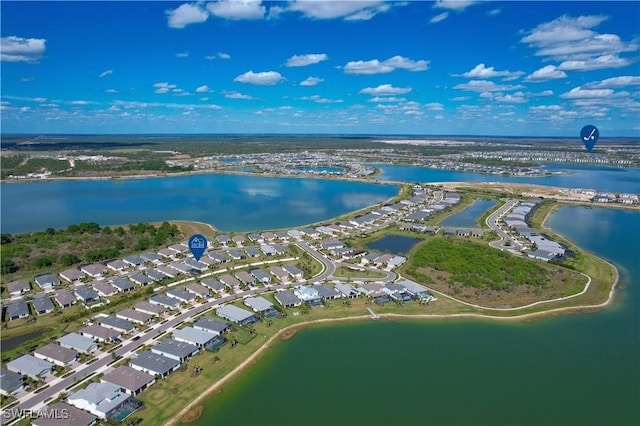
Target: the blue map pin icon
pixel 197 245
pixel 589 136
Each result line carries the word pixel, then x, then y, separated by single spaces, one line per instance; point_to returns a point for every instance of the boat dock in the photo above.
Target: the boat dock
pixel 374 316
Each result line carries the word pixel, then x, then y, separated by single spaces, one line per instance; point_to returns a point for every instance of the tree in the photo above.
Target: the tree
pixel 8 266
pixel 5 238
pixel 44 262
pixel 68 259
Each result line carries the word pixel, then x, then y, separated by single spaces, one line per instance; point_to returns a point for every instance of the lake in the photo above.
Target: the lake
pixel 573 369
pixel 394 244
pixel 228 202
pixel 468 217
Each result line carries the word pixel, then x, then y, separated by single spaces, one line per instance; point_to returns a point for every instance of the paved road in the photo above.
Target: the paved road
pixel 492 222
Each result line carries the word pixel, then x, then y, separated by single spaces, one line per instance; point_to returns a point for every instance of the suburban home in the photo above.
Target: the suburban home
pixel 194 336
pixel 261 276
pixel 173 349
pixel 72 275
pixel 268 236
pixel 94 270
pixel 179 248
pixel 268 250
pixel 211 325
pixel 104 288
pixel 181 295
pixel 255 238
pixel 279 248
pixel 197 265
pixel 140 279
pixel 117 265
pixel 46 281
pixel 252 252
pixel 309 295
pixel 347 290
pixel 86 294
pixel 133 260
pixel 219 257
pixel 477 233
pixel 246 278
pixel 375 292
pixel 326 230
pixel 28 365
pixel 115 323
pixel 463 232
pixel 238 239
pixel 155 274
pixel 48 416
pixel 229 281
pixel 168 271
pixel 371 257
pixel 449 232
pixel 197 290
pixel 262 306
pixel 17 309
pixel 134 316
pixel 396 261
pixel 294 271
pixel 222 239
pixel 287 299
pixel 397 292
pixel 100 333
pixel 382 260
pixel 167 253
pixel 56 354
pixel 104 399
pixel 283 235
pixel 164 301
pixel 131 380
pixel 78 343
pixel 153 363
pixel 180 267
pixel 311 232
pixel 237 315
pixel 42 304
pixel 64 298
pixel 279 273
pixel 331 244
pixel 122 284
pixel 10 382
pixel 294 233
pixel 416 290
pixel 326 292
pixel 151 257
pixel 213 284
pixel 149 308
pixel 16 288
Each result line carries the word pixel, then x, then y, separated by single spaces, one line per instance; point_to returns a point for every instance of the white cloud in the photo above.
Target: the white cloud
pixel 482 71
pixel 580 93
pixel 349 10
pixel 111 91
pixel 515 98
pixel 311 81
pixel 458 5
pixel 461 98
pixel 223 55
pixel 494 12
pixel 80 103
pixel 203 89
pixel 386 99
pixel 24 109
pixel 614 82
pixel 385 89
pixel 549 72
pixel 304 60
pixel 165 87
pixel 105 73
pixel 185 14
pixel 439 18
pixel 238 95
pixel 237 9
pixel 377 67
pixel 601 62
pixel 485 86
pixel 266 78
pixel 541 94
pixel 320 100
pixel 182 55
pixel 18 49
pixel 434 106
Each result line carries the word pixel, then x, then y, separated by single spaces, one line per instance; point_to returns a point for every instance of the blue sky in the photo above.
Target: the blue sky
pixel 448 67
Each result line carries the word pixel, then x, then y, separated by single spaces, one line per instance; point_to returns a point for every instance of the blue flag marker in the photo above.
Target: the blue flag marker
pixel 197 245
pixel 589 135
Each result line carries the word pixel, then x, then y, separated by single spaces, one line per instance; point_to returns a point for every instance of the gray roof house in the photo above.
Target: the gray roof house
pixel 347 290
pixel 72 275
pixel 211 325
pixel 229 280
pixel 73 416
pixel 42 304
pixel 268 250
pixel 309 295
pixel 140 278
pixel 122 284
pixel 155 274
pixel 104 288
pixel 287 299
pixel 133 260
pixel 237 315
pixel 117 265
pixel 293 270
pixel 222 239
pixel 170 348
pixel 86 294
pixel 149 308
pixel 416 290
pixel 46 281
pixel 262 306
pixel 131 380
pixel 151 256
pixel 31 366
pixel 56 354
pixel 213 284
pixel 252 252
pixel 18 287
pixel 260 275
pixel 116 323
pixel 181 295
pixel 246 278
pixel 197 289
pixel 10 382
pixel 132 315
pixel 164 301
pixel 64 298
pixel 100 399
pixel 327 292
pixel 194 336
pixel 153 363
pixel 77 343
pixel 194 264
pixel 94 270
pixel 17 309
pixel 99 333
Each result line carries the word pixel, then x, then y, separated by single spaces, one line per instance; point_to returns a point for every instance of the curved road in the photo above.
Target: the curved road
pixel 492 222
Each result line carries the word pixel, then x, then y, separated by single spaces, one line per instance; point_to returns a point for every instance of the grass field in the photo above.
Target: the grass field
pixel 344 272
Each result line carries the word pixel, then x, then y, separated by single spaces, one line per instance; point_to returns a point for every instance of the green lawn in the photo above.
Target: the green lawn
pixel 344 272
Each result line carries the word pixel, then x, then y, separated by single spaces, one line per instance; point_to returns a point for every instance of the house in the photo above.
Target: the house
pixel 449 232
pixel 396 261
pixel 50 416
pixel 77 342
pixel 287 299
pixel 164 301
pixel 279 273
pixel 262 306
pixel 100 333
pixel 131 380
pixel 246 278
pixel 375 292
pixel 283 235
pixel 311 232
pixel 237 315
pixel 279 248
pixel 294 271
pixel 17 309
pixel 117 265
pixel 168 271
pixel 155 274
pixel 229 281
pixel 46 281
pixel 213 284
pixel 219 257
pixel 167 253
pixel 140 279
pixel 211 325
pixel 72 275
pixel 309 295
pixel 115 323
pixel 268 250
pixel 86 294
pixel 179 248
pixel 371 257
pixel 104 288
pixel 252 252
pixel 222 239
pixel 260 275
pixel 134 316
pixel 150 257
pixel 194 336
pixel 133 260
pixel 64 298
pixel 154 364
pixel 10 382
pixel 331 244
pixel 173 349
pixel 238 240
pixel 122 284
pixel 268 236
pixel 197 265
pixel 294 233
pixel 463 232
pixel 198 290
pixel 94 270
pixel 28 365
pixel 102 399
pixel 416 290
pixel 326 292
pixel 149 308
pixel 56 354
pixel 42 304
pixel 326 230
pixel 347 290
pixel 397 292
pixel 181 295
pixel 382 260
pixel 354 254
pixel 255 238
pixel 16 288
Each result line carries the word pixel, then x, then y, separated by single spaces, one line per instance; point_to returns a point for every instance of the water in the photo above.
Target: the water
pixel 574 369
pixel 321 169
pixel 583 176
pixel 229 202
pixel 395 244
pixel 14 342
pixel 470 215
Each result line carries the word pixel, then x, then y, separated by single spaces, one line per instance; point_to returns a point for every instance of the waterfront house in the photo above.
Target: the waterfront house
pixel 347 290
pixel 477 233
pixel 375 292
pixel 104 289
pixel 255 238
pixel 100 399
pixel 396 261
pixel 56 354
pixel 282 235
pixel 309 295
pixel 237 315
pixel 416 290
pixel 181 295
pixel 10 382
pixel 64 298
pixel 134 316
pixel 262 306
pixel 86 294
pixel 42 304
pixel 47 416
pixel 287 299
pixel 326 292
pixel 115 323
pixel 397 292
pixel 154 364
pixel 164 301
pixel 77 342
pixel 222 239
pixel 46 281
pixel 449 232
pixel 100 333
pixel 268 236
pixel 173 349
pixel 463 232
pixel 132 381
pixel 17 309
pixel 28 365
pixel 16 288
pixel 311 232
pixel 238 240
pixel 122 284
pixel 94 270
pixel 194 336
pixel 294 233
pixel 211 325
